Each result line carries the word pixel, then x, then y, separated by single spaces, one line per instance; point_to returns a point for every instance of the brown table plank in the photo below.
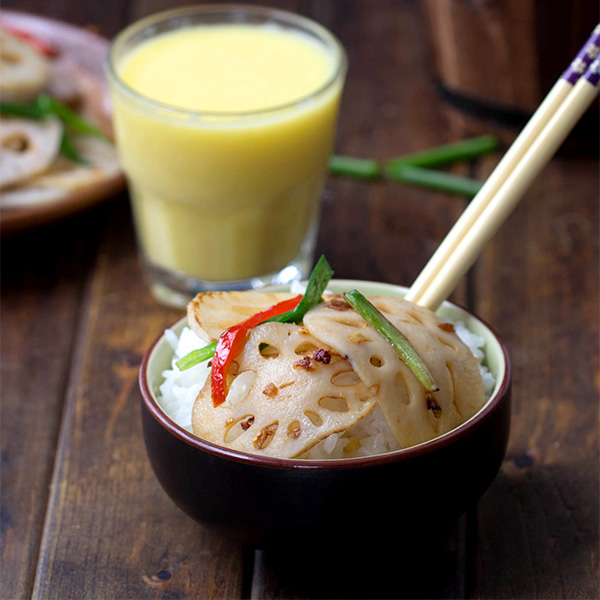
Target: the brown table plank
pixel 385 231
pixel 44 277
pixel 43 280
pixel 110 530
pixel 387 568
pixel 538 283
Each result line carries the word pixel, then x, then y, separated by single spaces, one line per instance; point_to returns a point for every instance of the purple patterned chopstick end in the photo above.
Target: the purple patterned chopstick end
pixel 592 75
pixel 582 61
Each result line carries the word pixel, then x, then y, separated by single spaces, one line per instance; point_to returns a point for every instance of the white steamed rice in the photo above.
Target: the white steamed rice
pixel 369 436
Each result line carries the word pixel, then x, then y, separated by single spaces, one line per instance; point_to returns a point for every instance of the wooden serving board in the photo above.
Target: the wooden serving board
pixel 86 52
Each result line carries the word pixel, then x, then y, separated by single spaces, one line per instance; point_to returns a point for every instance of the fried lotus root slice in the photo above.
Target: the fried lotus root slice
pixel 413 415
pixel 211 313
pixel 101 162
pixel 293 401
pixel 23 71
pixel 28 148
pixel 65 177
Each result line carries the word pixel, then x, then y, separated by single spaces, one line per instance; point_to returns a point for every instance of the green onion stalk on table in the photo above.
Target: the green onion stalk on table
pixel 418 168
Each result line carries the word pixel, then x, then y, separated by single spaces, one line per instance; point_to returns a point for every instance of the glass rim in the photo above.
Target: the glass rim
pixel 321 32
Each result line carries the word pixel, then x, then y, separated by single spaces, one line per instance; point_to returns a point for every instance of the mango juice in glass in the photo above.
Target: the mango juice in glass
pixel 224 118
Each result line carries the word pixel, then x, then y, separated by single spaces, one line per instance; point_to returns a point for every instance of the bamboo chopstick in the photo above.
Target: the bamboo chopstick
pixel 549 107
pixel 499 207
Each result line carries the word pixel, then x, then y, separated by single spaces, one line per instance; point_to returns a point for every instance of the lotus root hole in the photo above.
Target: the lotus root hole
pixel 417 317
pixel 16 142
pixel 240 387
pixel 286 384
pixel 10 57
pixel 237 428
pixel 358 338
pixel 294 429
pixel 265 437
pixel 383 306
pixel 376 361
pixel 345 378
pixel 314 418
pixel 349 323
pixel 268 351
pixel 453 390
pixel 445 342
pixel 334 403
pixel 305 349
pixel 400 384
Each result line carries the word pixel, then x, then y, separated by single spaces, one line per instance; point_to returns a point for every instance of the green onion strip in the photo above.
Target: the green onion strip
pixel 361 168
pixel 435 180
pixel 417 168
pixel 408 354
pixel 448 153
pixel 196 356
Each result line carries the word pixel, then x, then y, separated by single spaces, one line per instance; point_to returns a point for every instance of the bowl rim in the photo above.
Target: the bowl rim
pixel 328 464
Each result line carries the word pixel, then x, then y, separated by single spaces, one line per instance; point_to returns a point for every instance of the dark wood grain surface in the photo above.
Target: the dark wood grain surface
pixel 82 515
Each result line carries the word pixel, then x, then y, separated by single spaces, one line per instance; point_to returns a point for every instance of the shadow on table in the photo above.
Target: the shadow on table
pixel 388 568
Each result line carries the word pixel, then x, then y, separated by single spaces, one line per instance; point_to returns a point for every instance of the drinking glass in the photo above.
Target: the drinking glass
pixel 224 200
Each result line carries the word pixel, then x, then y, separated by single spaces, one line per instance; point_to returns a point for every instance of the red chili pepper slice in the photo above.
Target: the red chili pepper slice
pixel 39 45
pixel 231 343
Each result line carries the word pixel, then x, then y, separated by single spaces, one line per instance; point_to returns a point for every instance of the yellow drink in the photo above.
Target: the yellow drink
pixel 224 132
pixel 227 68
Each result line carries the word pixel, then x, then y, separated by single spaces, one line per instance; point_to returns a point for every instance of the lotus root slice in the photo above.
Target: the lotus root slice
pixel 294 401
pixel 413 415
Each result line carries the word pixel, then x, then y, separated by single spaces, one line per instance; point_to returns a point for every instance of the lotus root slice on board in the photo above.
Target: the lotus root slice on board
pixel 23 71
pixel 293 401
pixel 28 148
pixel 64 176
pixel 413 415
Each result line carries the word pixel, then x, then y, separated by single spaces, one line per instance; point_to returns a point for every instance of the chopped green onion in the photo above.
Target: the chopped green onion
pixel 51 106
pixel 447 154
pixel 27 111
pixel 436 180
pixel 361 168
pixel 317 282
pixel 196 356
pixel 404 348
pixel 67 149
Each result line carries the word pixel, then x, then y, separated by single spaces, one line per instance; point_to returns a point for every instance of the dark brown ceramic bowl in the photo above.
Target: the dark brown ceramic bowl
pixel 266 501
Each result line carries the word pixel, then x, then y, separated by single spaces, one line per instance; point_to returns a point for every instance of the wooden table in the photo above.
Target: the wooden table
pixel 82 513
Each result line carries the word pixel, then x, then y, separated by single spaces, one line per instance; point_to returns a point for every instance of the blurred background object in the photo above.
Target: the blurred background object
pixel 497 59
